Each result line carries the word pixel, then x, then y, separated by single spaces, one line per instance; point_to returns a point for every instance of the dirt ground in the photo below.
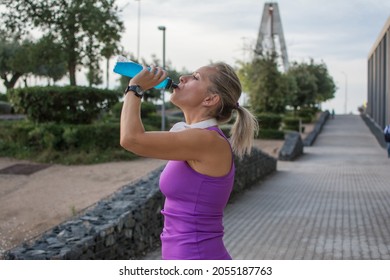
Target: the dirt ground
pixel 32 204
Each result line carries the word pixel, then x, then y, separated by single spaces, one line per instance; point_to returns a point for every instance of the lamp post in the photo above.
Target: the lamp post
pixel 346 92
pixel 138 28
pixel 163 28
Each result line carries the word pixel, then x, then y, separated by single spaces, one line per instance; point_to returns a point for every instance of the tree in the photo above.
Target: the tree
pixel 107 52
pixel 43 58
pixel 264 83
pixel 306 83
pixel 75 23
pixel 325 84
pixel 14 60
pixel 288 85
pixel 48 59
pixel 94 74
pixel 314 84
pixel 110 48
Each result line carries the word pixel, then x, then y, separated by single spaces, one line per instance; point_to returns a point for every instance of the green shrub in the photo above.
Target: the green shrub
pixel 150 118
pixel 40 138
pixel 70 104
pixel 3 97
pixel 269 121
pixel 307 114
pixel 270 134
pixel 116 110
pixel 291 123
pixel 306 119
pixel 153 122
pixel 147 109
pixel 5 108
pixel 98 136
pixel 63 143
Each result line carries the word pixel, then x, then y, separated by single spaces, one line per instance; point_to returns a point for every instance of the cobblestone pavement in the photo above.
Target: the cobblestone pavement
pixel 331 203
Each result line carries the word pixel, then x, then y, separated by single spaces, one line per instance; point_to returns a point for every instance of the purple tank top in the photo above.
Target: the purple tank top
pixel 193 212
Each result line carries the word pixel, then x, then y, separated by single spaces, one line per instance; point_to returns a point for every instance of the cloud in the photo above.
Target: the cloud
pixel 340 33
pixel 320 28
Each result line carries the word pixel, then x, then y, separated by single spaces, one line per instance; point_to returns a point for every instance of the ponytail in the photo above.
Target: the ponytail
pixel 226 83
pixel 244 129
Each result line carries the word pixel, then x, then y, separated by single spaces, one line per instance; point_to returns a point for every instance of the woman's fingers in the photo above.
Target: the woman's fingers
pixel 150 77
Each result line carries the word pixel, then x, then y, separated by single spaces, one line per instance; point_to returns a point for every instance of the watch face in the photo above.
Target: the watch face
pixel 138 89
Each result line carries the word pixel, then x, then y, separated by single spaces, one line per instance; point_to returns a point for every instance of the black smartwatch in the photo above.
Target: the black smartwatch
pixel 136 89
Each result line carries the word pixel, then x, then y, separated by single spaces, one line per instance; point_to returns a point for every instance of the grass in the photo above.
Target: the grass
pixel 22 144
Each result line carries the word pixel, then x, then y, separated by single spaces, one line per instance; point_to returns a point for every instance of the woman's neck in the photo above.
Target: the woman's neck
pixel 196 117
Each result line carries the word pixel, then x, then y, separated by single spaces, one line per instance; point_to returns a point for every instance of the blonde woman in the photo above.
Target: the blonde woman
pixel 198 178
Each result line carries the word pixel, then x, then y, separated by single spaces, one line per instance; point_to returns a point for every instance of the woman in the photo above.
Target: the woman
pixel 199 177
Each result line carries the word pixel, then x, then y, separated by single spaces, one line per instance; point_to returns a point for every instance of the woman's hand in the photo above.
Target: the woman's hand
pixel 149 78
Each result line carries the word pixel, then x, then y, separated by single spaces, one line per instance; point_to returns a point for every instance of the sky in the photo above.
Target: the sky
pixel 337 33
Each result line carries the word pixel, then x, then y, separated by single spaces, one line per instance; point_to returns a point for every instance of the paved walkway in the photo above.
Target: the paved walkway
pixel 332 203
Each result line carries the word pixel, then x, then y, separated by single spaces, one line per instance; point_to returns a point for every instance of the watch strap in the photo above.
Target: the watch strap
pixel 136 89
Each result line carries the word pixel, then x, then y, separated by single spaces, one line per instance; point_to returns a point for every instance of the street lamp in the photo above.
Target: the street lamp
pixel 346 91
pixel 163 28
pixel 139 27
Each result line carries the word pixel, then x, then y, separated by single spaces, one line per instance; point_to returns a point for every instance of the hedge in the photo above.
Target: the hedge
pixel 269 121
pixel 291 123
pixel 307 114
pixel 5 108
pixel 69 104
pixel 270 134
pixel 3 97
pixel 60 137
pixel 53 142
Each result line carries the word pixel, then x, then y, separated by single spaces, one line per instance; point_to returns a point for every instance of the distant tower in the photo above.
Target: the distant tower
pixel 271 26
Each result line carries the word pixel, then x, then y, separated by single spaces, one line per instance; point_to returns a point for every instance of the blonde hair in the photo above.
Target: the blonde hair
pixel 226 84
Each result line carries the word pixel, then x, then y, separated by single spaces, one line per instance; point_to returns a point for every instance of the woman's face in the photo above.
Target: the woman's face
pixel 193 88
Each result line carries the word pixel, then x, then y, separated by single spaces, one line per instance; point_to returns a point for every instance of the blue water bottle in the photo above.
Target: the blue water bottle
pixel 129 69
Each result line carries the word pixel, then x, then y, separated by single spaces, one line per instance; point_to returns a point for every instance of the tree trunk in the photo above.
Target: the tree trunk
pixel 11 83
pixel 107 72
pixel 72 72
pixel 72 58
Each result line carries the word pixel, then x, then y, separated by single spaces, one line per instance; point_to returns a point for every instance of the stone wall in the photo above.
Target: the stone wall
pixel 375 129
pixel 129 223
pixel 292 147
pixel 309 140
pixel 251 169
